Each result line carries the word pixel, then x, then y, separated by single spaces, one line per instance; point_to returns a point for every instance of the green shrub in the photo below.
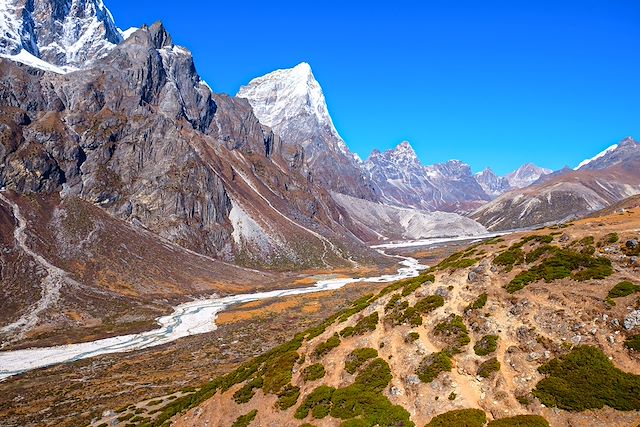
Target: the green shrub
pixel 318 402
pixel 623 289
pixel 487 368
pixel 459 418
pixel 454 331
pixel 288 396
pixel 432 365
pixel 364 325
pixel 429 303
pixel 486 345
pixel 358 357
pixel 633 342
pixel 278 372
pixel 327 346
pixel 586 379
pixel 611 238
pixel 359 404
pixel 313 372
pixel 245 393
pixel 535 254
pixel 478 303
pixel 245 420
pixel 411 337
pixel 375 376
pixel 456 261
pixel 509 258
pixel 560 264
pixel 520 421
pixel 393 303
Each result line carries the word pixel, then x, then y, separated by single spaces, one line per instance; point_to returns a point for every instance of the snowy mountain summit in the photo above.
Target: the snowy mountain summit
pixel 56 35
pixel 291 102
pixel 526 175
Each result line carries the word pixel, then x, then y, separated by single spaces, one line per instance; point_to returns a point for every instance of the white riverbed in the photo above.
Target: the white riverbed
pixel 191 318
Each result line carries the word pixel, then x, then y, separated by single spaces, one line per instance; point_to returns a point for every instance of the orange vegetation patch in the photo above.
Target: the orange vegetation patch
pixel 260 309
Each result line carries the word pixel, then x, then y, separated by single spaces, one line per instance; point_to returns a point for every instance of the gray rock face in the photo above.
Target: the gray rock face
pixel 404 181
pixel 143 137
pixel 632 320
pixel 61 32
pixel 491 183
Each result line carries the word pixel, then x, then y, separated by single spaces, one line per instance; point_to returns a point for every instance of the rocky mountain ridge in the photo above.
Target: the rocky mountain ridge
pixel 68 34
pixel 568 194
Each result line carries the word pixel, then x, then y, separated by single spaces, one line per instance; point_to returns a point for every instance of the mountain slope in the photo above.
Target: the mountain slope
pixel 154 145
pixel 291 102
pixel 402 180
pixel 385 222
pixel 568 195
pixel 457 337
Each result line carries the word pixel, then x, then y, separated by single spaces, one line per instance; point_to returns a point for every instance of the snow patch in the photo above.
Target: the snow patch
pixel 596 157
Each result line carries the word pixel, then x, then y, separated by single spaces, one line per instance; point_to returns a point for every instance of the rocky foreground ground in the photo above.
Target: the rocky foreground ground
pixel 541 326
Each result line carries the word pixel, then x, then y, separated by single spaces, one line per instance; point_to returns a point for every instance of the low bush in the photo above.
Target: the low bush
pixel 327 346
pixel 456 261
pixel 454 331
pixel 428 304
pixel 318 402
pixel 611 238
pixel 459 418
pixel 359 404
pixel 486 345
pixel 245 393
pixel 358 357
pixel 487 368
pixel 623 289
pixel 584 379
pixel 478 303
pixel 433 365
pixel 520 421
pixel 245 420
pixel 288 396
pixel 509 258
pixel 411 337
pixel 633 342
pixel 278 372
pixel 313 372
pixel 563 263
pixel 364 325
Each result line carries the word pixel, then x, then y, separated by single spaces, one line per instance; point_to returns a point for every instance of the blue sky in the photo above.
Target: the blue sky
pixel 492 83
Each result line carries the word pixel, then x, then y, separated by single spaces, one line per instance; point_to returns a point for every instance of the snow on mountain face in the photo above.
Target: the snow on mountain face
pixel 491 183
pixel 403 180
pixel 291 102
pixel 67 34
pixel 526 175
pixel 626 151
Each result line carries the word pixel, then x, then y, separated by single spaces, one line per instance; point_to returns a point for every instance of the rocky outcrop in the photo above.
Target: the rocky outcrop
pixel 140 135
pixel 403 180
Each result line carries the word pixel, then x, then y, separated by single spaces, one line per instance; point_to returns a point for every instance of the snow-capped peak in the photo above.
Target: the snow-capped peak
pixel 64 34
pixel 597 156
pixel 292 98
pixel 526 175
